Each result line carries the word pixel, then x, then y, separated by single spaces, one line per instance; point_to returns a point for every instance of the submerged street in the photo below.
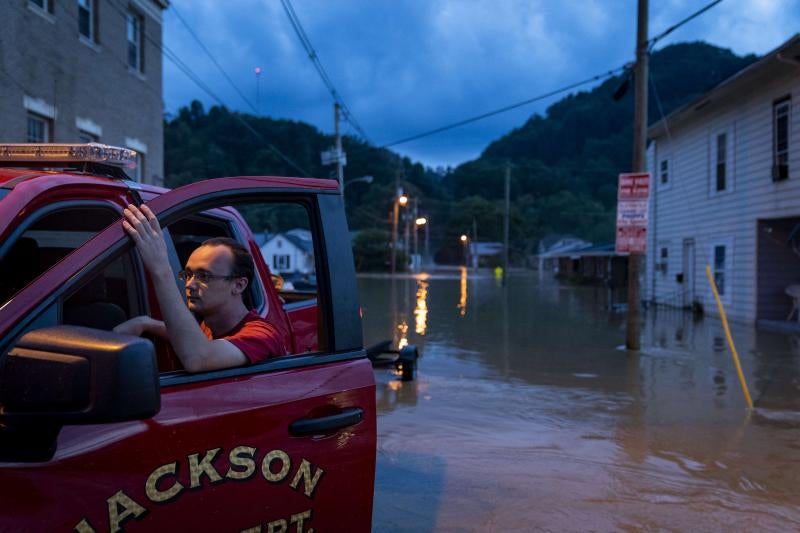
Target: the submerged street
pixel 526 415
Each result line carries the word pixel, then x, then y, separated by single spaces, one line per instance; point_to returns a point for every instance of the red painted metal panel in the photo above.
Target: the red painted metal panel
pixel 94 463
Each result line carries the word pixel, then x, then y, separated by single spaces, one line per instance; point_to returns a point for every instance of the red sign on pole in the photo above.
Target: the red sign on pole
pixel 632 197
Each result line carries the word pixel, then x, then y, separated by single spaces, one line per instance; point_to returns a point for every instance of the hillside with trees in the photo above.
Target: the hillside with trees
pixel 564 163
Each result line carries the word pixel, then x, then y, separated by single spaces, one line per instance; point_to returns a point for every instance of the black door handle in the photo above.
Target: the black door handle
pixel 326 424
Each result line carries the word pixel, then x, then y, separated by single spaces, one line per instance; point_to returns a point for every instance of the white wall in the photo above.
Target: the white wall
pixel 689 208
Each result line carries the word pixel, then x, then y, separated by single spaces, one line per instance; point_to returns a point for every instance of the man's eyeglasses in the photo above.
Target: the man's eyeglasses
pixel 201 276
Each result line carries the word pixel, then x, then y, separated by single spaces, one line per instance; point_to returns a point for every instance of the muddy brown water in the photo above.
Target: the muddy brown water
pixel 526 415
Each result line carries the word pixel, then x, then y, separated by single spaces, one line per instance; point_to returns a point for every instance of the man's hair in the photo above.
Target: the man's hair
pixel 243 266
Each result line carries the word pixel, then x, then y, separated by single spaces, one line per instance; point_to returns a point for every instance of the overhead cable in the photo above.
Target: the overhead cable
pixel 314 57
pixel 176 60
pixel 213 59
pixel 488 114
pixel 654 40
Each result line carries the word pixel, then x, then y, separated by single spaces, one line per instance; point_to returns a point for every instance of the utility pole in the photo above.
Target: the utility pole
pixel 427 240
pixel 395 218
pixel 506 214
pixel 339 155
pixel 416 238
pixel 639 147
pixel 406 235
pixel 258 90
pixel 474 246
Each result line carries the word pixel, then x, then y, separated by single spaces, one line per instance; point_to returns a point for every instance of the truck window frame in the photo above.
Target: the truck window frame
pixel 335 239
pixel 47 210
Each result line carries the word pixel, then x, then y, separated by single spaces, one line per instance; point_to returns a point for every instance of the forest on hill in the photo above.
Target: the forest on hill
pixel 564 164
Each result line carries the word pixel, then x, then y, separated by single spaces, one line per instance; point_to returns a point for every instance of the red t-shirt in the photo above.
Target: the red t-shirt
pixel 255 337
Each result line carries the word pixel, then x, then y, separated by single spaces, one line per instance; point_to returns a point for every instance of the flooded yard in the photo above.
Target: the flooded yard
pixel 527 416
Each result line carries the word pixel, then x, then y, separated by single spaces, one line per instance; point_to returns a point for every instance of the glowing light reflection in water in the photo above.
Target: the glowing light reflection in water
pixel 462 301
pixel 421 311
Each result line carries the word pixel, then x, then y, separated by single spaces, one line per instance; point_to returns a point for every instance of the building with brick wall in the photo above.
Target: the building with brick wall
pixel 84 71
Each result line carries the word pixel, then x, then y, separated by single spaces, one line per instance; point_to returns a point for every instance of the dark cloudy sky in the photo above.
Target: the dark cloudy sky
pixel 408 66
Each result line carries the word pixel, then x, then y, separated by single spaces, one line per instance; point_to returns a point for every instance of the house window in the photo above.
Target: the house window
pixel 721 161
pixel 664 259
pixel 663 171
pixel 721 267
pixel 281 262
pixel 39 129
pixel 780 135
pixel 86 19
pixel 134 25
pixel 721 156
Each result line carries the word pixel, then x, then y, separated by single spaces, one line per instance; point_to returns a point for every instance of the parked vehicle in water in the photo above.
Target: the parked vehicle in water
pixel 102 431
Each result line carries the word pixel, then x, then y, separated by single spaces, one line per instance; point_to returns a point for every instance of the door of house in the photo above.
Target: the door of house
pixel 688 272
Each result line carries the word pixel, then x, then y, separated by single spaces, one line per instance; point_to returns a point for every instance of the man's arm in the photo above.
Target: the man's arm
pixel 142 324
pixel 196 351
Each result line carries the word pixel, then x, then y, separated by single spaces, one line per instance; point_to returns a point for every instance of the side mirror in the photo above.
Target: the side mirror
pixel 77 375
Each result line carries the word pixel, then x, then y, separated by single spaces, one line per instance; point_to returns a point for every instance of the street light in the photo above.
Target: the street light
pixel 402 200
pixel 465 242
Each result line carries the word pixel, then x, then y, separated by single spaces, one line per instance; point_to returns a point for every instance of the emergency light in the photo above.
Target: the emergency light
pixel 64 153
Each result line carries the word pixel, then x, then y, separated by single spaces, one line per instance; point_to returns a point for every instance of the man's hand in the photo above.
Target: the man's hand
pixel 141 324
pixel 144 229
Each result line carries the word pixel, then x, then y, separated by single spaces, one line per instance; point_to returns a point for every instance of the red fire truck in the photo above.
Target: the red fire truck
pixel 106 432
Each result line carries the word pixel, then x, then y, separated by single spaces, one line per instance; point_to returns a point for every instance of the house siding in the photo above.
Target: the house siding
pixel 689 208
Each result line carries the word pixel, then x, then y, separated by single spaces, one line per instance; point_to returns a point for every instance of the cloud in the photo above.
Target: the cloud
pixel 410 66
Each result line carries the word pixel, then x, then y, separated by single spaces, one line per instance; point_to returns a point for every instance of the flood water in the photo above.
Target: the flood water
pixel 526 415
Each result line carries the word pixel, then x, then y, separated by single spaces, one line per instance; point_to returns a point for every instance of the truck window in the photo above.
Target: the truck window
pixel 45 241
pixel 190 232
pixel 106 298
pixel 287 241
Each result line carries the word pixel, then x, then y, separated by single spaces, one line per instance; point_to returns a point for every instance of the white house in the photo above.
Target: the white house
pixel 289 252
pixel 726 193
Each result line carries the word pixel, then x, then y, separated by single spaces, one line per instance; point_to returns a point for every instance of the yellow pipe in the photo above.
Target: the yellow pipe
pixel 730 339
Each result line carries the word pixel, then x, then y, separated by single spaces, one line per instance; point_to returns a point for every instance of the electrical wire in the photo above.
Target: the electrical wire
pixel 488 114
pixel 654 40
pixel 314 57
pixel 213 59
pixel 175 59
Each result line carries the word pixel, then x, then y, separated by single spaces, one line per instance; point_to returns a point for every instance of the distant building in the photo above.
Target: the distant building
pixel 553 247
pixel 726 193
pixel 578 260
pixel 84 71
pixel 291 252
pixel 480 252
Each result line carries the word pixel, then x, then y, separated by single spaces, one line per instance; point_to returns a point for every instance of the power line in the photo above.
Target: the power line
pixel 314 57
pixel 674 27
pixel 213 59
pixel 482 116
pixel 172 56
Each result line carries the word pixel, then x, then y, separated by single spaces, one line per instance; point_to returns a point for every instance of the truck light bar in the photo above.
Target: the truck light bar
pixel 63 153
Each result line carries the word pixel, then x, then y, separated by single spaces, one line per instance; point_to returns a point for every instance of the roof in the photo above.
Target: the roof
pixel 598 250
pixel 564 245
pixel 786 56
pixel 305 245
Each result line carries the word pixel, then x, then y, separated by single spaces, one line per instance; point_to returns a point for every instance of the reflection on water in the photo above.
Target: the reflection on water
pixel 462 300
pixel 525 414
pixel 421 311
